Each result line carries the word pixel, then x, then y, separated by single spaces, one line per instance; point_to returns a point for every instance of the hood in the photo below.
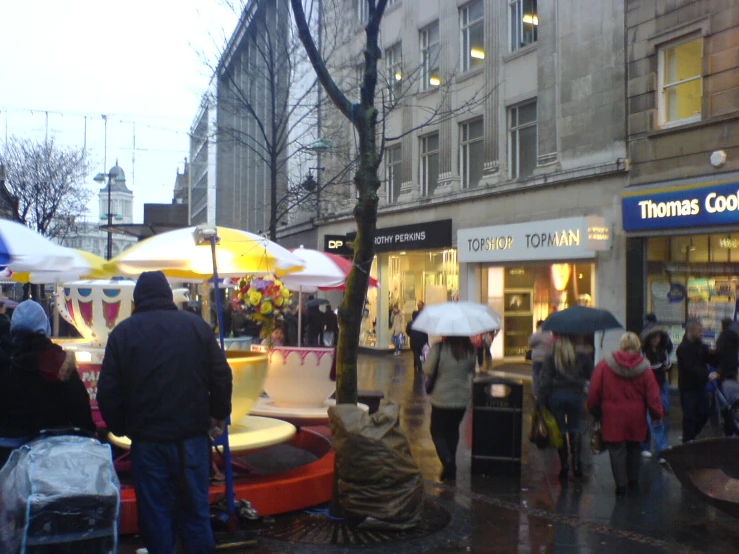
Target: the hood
pixel 627 364
pixel 152 292
pixel 647 335
pixel 36 353
pixel 30 317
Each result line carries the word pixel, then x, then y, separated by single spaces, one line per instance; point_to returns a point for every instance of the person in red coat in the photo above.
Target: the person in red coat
pixel 622 389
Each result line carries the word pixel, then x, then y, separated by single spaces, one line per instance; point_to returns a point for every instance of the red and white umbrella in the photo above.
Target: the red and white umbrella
pixel 322 271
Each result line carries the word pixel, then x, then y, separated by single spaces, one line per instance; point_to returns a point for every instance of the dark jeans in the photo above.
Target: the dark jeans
pixel 695 412
pixel 625 459
pixel 171 483
pixel 417 363
pixel 445 433
pixel 566 408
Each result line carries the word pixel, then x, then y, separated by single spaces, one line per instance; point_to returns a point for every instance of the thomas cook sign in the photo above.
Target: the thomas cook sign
pixel 556 239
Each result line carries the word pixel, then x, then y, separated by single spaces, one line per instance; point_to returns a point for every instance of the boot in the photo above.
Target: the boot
pixel 564 466
pixel 576 450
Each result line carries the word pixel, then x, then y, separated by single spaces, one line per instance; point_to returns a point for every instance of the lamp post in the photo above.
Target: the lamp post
pixel 108 178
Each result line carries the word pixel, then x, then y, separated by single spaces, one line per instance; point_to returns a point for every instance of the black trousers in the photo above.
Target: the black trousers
pixel 445 433
pixel 625 460
pixel 695 412
pixel 417 363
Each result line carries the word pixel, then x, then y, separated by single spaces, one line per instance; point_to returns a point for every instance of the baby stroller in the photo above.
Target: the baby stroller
pixel 59 494
pixel 726 402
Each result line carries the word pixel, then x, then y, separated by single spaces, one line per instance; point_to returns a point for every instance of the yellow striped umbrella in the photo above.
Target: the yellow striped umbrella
pixel 82 265
pixel 178 254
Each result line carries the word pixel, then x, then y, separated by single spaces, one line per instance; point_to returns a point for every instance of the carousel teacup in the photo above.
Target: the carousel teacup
pixel 249 370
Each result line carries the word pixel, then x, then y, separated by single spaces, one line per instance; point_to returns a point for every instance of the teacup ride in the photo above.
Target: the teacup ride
pixel 95 307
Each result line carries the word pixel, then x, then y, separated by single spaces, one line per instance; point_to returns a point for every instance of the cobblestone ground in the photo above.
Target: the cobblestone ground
pixel 538 513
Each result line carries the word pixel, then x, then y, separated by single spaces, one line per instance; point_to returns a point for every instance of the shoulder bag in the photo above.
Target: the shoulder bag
pixel 431 382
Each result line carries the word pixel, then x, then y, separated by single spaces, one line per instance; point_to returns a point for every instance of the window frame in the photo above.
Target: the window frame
pixel 662 50
pixel 464 26
pixel 362 12
pixel 424 156
pixel 514 165
pixel 464 146
pixel 394 86
pixel 393 167
pixel 426 48
pixel 517 7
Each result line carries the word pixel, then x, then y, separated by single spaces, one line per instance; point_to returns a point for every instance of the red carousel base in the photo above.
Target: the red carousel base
pixel 278 493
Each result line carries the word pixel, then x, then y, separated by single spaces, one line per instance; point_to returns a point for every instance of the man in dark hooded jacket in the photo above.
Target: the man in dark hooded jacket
pixel 165 384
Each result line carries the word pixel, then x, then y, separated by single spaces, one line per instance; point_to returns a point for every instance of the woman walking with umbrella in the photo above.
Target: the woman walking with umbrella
pixel 563 377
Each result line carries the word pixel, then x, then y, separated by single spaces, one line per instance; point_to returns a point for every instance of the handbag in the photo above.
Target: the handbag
pixel 529 354
pixel 539 433
pixel 596 435
pixel 431 382
pixel 555 437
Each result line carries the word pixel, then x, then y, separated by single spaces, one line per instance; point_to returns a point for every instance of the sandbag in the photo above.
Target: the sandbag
pixel 378 479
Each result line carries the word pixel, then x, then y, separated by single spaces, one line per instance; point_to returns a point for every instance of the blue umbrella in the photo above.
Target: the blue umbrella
pixel 579 320
pixel 24 250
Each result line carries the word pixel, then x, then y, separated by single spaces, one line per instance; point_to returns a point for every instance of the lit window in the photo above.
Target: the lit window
pixel 522 140
pixel 471 153
pixel 680 82
pixel 524 23
pixel 393 159
pixel 430 57
pixel 473 35
pixel 394 69
pixel 429 164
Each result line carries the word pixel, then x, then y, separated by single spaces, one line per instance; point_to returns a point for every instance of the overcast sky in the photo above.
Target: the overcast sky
pixel 140 62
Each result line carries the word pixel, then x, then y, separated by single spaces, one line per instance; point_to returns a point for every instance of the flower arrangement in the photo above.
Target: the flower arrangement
pixel 262 299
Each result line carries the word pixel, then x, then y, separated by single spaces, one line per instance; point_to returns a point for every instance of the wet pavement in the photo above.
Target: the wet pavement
pixel 537 512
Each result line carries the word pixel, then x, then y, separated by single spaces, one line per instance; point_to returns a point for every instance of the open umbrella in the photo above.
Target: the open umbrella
pixel 456 319
pixel 81 265
pixel 22 249
pixel 316 302
pixel 179 255
pixel 322 271
pixel 579 320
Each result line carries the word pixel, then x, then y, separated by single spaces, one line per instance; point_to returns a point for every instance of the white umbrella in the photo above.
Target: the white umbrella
pixel 81 265
pixel 456 319
pixel 22 249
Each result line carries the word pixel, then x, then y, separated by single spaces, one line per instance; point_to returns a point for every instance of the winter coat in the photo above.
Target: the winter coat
pixel 163 375
pixel 540 343
pixel 397 323
pixel 40 389
pixel 727 354
pixel 332 322
pixel 692 365
pixel 622 388
pixel 453 387
pixel 571 381
pixel 658 358
pixel 418 339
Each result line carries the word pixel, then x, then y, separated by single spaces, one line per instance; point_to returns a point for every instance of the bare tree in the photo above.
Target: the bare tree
pixel 47 181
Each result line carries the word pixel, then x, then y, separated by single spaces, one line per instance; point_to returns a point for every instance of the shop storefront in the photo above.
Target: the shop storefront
pixel 525 271
pixel 412 262
pixel 683 255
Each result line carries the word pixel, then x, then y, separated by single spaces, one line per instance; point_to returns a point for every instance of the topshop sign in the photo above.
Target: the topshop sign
pixel 555 239
pixel 701 205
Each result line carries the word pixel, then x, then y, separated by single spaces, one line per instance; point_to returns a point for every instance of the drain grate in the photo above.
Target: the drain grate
pixel 319 529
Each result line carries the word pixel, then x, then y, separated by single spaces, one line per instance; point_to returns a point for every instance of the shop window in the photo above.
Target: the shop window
pixel 393 159
pixel 524 23
pixel 473 35
pixel 394 71
pixel 471 153
pixel 430 49
pixel 429 163
pixel 680 83
pixel 522 138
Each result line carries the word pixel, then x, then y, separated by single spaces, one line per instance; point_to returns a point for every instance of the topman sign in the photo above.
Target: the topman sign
pixel 555 239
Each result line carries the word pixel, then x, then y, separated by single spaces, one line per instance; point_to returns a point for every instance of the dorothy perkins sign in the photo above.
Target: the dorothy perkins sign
pixel 554 239
pixel 701 205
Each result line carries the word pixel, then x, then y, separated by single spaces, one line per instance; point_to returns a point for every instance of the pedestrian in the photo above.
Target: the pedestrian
pixel 692 370
pixel 276 337
pixel 420 305
pixel 726 361
pixel 291 325
pixel 650 321
pixel 6 341
pixel 564 374
pixel 165 384
pixel 452 361
pixel 331 331
pixel 315 325
pixel 418 340
pixel 396 324
pixel 39 385
pixel 621 392
pixel 654 346
pixel 540 343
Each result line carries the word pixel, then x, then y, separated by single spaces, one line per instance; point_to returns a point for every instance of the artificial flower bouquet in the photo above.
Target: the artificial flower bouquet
pixel 262 299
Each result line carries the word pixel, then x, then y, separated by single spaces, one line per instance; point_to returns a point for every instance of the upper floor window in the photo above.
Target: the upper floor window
pixel 471 153
pixel 393 159
pixel 429 163
pixel 430 49
pixel 362 11
pixel 394 70
pixel 680 82
pixel 522 140
pixel 524 23
pixel 473 35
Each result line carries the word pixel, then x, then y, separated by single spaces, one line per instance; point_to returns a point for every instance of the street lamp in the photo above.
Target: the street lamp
pixel 108 178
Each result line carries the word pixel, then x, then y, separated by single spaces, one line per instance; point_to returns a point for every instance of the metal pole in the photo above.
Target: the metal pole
pixel 318 114
pixel 109 250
